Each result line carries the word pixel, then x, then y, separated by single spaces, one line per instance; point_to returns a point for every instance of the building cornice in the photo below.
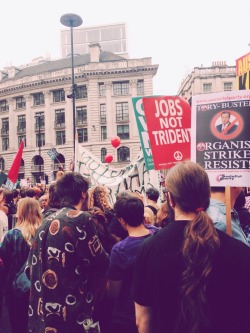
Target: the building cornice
pixel 80 74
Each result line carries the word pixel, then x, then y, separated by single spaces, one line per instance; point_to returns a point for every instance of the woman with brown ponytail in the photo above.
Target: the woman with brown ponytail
pixel 190 277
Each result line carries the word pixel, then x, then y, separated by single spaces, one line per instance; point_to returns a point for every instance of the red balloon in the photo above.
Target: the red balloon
pixel 116 141
pixel 108 158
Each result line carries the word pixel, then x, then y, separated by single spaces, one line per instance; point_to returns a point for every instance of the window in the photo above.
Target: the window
pixel 228 86
pixel 102 89
pixel 103 113
pixel 123 154
pixel 38 99
pixel 58 96
pixel 5 126
pixel 39 118
pixel 60 117
pixel 82 135
pixel 60 137
pixel 121 88
pixel 103 154
pixel 20 137
pixel 207 87
pixel 140 87
pixel 81 92
pixel 4 106
pixel 123 131
pixel 21 126
pixel 5 144
pixel 122 111
pixel 2 164
pixel 81 115
pixel 20 102
pixel 103 132
pixel 42 140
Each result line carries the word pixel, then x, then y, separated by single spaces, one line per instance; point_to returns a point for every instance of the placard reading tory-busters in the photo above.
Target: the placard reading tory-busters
pixel 221 136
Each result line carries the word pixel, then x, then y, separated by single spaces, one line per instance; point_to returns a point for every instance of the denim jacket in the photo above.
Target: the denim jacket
pixel 217 212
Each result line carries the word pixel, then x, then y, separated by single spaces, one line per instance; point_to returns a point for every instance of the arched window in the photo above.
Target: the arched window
pixel 103 154
pixel 123 154
pixel 2 164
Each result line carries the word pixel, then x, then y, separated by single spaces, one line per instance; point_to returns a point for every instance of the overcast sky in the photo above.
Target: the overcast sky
pixel 177 34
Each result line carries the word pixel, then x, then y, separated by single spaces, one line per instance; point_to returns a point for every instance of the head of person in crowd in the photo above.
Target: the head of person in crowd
pixel 6 196
pixel 218 193
pixel 38 192
pixel 44 201
pixel 129 211
pixel 16 195
pixel 22 192
pixel 149 217
pixel 240 201
pixel 163 215
pixel 188 196
pixel 152 195
pixel 72 189
pixel 54 198
pixel 6 200
pixel 29 217
pixel 30 193
pixel 98 197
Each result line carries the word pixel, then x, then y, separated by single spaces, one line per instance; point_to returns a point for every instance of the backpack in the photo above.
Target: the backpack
pixel 21 283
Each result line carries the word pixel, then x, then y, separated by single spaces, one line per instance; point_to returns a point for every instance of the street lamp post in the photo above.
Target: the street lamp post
pixel 38 117
pixel 72 21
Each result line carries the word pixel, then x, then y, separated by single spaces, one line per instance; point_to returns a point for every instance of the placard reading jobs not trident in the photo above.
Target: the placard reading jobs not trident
pixel 169 123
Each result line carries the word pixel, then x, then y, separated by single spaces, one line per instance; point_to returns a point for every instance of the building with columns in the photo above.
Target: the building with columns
pixel 35 105
pixel 203 80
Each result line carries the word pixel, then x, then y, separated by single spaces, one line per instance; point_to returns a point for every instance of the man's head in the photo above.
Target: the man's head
pixel 152 193
pixel 225 116
pixel 72 188
pixel 131 210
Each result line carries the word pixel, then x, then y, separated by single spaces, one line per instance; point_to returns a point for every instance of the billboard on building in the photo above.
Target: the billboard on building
pixel 243 72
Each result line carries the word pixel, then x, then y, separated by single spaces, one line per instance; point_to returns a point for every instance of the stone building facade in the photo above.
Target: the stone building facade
pixel 35 105
pixel 202 80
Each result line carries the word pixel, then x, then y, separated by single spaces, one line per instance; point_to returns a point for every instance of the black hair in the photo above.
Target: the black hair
pixel 70 187
pixel 152 193
pixel 131 209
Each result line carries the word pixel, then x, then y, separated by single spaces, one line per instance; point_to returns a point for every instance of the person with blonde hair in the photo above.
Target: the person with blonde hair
pixel 190 277
pixel 14 252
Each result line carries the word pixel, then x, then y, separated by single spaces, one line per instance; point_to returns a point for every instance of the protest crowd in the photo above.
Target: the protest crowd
pixel 71 262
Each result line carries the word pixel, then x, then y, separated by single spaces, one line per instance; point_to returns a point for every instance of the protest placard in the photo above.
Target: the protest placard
pixel 168 122
pixel 221 136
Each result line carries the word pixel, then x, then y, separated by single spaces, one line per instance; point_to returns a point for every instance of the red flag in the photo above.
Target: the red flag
pixel 14 169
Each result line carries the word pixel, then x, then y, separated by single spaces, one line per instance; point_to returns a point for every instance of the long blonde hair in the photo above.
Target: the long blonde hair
pixel 29 217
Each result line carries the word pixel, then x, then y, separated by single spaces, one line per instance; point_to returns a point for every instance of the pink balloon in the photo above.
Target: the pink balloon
pixel 108 158
pixel 116 141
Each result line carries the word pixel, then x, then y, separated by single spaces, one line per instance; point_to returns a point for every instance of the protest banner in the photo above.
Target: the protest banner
pixel 223 152
pixel 168 122
pixel 134 177
pixel 143 132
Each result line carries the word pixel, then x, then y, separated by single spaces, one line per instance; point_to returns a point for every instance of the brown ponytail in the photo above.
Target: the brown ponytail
pixel 189 187
pixel 200 243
